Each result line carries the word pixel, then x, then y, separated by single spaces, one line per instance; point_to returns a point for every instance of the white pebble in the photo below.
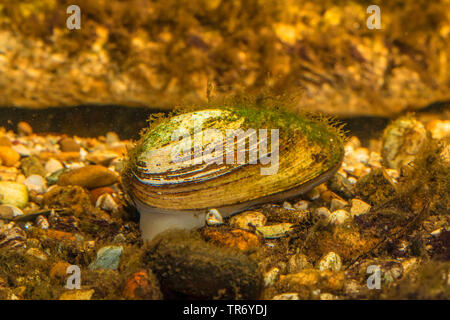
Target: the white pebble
pixel 106 202
pixel 339 216
pixel 214 218
pixel 301 205
pixel 35 183
pixel 287 296
pixel 323 212
pixel 337 204
pixel 331 261
pixel 359 207
pixel 53 165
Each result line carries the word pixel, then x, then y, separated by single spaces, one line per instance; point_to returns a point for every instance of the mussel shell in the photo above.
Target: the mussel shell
pixel 310 152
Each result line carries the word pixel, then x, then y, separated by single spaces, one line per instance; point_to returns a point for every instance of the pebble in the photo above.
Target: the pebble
pixel 12 236
pixel 359 207
pixel 236 238
pixel 77 295
pixel 339 216
pixel 331 261
pixel 8 156
pixel 69 145
pixel 288 206
pixel 323 212
pixel 4 142
pixel 439 129
pixel 35 252
pixel 287 296
pixel 59 270
pixel 402 140
pixel 327 296
pixel 91 176
pixel 53 165
pixel 35 183
pixel 32 166
pixel 337 204
pixel 42 222
pixel 142 286
pixel 13 193
pixel 297 263
pixel 301 205
pixel 22 150
pixel 106 202
pixel 94 194
pixel 107 258
pixel 24 128
pixel 271 277
pixel 248 219
pixel 275 231
pixel 214 218
pixel 8 212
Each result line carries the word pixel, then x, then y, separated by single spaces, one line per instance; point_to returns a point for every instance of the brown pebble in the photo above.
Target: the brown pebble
pixel 236 238
pixel 61 156
pixel 69 145
pixel 4 142
pixel 24 129
pixel 59 270
pixel 93 176
pixel 142 287
pixel 9 156
pixel 94 194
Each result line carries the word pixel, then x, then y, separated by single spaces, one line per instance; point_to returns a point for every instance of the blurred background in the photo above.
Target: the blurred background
pixel 161 53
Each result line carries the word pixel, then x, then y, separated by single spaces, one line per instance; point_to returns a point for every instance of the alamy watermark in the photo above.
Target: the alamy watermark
pixel 374 280
pixel 213 146
pixel 74 20
pixel 374 20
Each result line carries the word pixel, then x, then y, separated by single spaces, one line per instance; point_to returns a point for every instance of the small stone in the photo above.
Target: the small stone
pixel 112 138
pixel 106 202
pixel 42 222
pixel 53 165
pixel 361 155
pixel 402 141
pixel 92 176
pixel 248 220
pixel 339 216
pixel 214 218
pixel 69 145
pixel 313 194
pixel 8 212
pixel 24 129
pixel 107 258
pixel 375 187
pixel 32 166
pixel 59 270
pixel 331 261
pixel 141 286
pixel 37 254
pixel 35 183
pixel 297 263
pixel 8 156
pixel 4 142
pixel 77 295
pixel 236 238
pixel 13 193
pixel 327 296
pixel 323 212
pixel 101 157
pixel 22 150
pixel 337 204
pixel 94 194
pixel 271 277
pixel 288 206
pixel 439 129
pixel 275 231
pixel 301 205
pixel 287 296
pixel 359 207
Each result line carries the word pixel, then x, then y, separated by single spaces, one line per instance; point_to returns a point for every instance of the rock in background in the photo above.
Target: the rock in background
pixel 162 53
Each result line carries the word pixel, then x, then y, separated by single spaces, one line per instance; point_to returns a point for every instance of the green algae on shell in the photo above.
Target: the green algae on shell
pixel 175 182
